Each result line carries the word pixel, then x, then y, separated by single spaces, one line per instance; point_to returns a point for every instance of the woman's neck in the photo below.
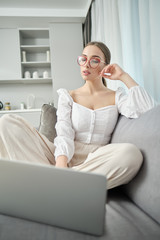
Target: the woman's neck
pixel 93 87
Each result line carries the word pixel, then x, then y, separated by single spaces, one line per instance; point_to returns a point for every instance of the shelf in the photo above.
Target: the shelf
pixel 27 80
pixel 36 64
pixel 35 48
pixel 35 52
pixel 21 111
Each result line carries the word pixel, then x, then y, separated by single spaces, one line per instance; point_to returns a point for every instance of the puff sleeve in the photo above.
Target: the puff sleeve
pixel 64 142
pixel 135 103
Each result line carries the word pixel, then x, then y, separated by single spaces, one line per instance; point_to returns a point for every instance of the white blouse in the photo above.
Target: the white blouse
pixel 78 123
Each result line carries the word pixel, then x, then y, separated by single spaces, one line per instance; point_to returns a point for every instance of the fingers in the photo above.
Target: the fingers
pixel 112 71
pixel 108 71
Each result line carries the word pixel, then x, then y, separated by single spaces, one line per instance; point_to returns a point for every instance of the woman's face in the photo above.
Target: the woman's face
pixel 87 72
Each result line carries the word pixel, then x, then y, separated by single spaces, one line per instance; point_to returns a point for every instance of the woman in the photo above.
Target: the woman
pixel 86 119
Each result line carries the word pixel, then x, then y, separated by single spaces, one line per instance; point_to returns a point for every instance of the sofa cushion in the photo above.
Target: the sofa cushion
pixel 144 132
pixel 47 121
pixel 124 221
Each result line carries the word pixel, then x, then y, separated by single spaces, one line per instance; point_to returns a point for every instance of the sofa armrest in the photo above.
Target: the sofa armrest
pixel 144 132
pixel 48 120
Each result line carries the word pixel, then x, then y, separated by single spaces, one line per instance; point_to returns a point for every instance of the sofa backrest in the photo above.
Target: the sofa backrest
pixel 144 132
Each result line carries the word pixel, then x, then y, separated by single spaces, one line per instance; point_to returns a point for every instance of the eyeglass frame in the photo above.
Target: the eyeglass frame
pixel 97 58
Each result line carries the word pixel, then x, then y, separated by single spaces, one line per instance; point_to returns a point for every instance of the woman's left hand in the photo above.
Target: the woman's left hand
pixel 114 72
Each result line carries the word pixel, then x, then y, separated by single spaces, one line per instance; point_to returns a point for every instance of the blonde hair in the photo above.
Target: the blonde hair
pixel 106 52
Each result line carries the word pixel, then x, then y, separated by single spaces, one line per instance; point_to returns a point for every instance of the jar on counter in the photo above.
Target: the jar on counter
pixel 7 106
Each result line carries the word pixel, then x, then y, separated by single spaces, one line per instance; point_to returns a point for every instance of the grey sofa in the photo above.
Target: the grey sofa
pixel 133 210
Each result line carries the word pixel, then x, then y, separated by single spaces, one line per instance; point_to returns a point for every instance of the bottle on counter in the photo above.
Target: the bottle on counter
pixel 7 106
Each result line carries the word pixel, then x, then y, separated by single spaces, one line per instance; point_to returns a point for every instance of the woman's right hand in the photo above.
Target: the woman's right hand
pixel 115 71
pixel 61 161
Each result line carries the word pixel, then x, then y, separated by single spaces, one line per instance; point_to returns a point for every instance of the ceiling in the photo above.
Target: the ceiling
pixel 56 4
pixel 39 13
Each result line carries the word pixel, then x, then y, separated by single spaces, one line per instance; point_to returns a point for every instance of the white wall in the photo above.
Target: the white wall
pixel 66 44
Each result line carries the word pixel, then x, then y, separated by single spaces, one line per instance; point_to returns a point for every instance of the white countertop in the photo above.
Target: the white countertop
pixel 21 111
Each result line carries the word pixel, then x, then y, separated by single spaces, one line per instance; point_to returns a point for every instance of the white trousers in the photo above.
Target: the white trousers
pixel 119 162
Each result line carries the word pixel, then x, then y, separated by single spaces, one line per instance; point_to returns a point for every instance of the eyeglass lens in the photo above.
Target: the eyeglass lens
pixel 93 62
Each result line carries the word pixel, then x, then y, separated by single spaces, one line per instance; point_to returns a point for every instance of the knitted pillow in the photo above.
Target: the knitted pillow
pixel 47 121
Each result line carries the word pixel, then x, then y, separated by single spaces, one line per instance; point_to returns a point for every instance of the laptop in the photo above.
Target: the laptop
pixel 60 197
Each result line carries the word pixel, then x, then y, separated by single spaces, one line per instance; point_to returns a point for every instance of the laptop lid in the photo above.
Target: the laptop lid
pixel 60 197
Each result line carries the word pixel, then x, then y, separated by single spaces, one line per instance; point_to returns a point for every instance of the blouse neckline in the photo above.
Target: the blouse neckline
pixel 89 109
pixel 101 108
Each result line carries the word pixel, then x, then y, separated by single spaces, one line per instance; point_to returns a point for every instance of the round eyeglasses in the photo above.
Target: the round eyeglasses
pixel 93 62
